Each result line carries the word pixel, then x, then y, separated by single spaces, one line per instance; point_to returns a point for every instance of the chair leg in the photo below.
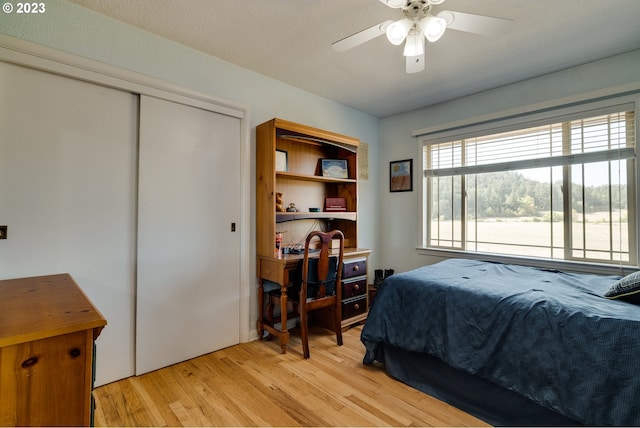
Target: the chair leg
pixel 338 324
pixel 304 333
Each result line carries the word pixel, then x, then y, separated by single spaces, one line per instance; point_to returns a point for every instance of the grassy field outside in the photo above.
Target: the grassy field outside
pixel 595 238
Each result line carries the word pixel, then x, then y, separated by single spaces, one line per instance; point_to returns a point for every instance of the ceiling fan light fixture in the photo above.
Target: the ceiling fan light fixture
pixel 432 27
pixel 414 45
pixel 397 31
pixel 414 64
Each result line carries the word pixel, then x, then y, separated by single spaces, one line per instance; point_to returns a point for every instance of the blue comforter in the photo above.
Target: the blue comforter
pixel 547 335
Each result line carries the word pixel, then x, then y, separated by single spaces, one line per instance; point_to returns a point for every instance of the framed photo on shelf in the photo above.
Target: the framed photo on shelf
pixel 281 161
pixel 335 168
pixel 401 176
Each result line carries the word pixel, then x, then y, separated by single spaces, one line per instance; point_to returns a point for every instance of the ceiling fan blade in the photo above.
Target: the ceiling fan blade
pixel 415 63
pixel 478 24
pixel 395 4
pixel 361 37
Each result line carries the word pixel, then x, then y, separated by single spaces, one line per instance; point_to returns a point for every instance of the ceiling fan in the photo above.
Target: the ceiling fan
pixel 418 23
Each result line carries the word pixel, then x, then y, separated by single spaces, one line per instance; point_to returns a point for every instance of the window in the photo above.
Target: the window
pixel 558 188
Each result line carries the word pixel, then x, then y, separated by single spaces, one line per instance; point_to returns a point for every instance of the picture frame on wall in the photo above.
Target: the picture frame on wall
pixel 401 176
pixel 281 161
pixel 335 168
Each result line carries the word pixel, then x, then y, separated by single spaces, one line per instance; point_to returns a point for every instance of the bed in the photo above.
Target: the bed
pixel 513 345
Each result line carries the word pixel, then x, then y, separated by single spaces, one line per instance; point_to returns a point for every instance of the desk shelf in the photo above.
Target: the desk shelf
pixel 302 183
pixel 315 178
pixel 323 215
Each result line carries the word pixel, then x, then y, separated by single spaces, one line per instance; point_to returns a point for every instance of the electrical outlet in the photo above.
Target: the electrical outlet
pixel 3 232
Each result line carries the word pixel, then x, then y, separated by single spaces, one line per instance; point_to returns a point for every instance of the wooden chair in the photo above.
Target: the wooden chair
pixel 320 285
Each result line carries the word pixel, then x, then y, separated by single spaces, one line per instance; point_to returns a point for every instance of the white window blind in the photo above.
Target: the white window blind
pixel 608 136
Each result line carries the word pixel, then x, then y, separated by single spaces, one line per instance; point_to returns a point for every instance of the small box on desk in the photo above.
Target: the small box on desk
pixel 335 204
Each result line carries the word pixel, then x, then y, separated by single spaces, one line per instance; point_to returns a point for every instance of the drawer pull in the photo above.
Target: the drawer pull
pixel 356 306
pixel 75 352
pixel 356 287
pixel 356 268
pixel 29 362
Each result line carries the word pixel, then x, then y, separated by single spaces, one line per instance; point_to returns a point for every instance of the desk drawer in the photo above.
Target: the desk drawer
pixel 354 306
pixel 354 287
pixel 354 267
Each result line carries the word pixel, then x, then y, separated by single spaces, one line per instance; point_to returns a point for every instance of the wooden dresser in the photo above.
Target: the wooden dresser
pixel 47 332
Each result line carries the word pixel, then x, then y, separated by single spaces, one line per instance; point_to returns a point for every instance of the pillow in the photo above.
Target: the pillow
pixel 627 289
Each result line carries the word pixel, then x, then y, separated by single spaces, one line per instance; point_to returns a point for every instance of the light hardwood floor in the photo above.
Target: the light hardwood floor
pixel 252 384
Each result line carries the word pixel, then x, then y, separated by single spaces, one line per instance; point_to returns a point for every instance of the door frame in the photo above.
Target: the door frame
pixel 20 52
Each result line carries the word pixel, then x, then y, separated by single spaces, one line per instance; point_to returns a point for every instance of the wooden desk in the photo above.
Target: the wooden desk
pixel 278 270
pixel 47 330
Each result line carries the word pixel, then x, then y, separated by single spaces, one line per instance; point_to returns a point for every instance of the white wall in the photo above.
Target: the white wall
pixel 399 212
pixel 70 28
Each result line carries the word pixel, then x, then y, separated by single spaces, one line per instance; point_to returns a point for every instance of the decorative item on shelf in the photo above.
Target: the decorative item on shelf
pixel 281 161
pixel 279 203
pixel 335 204
pixel 314 210
pixel 334 168
pixel 292 208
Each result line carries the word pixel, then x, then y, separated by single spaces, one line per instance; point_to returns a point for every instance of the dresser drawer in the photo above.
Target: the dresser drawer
pixel 354 306
pixel 354 287
pixel 354 267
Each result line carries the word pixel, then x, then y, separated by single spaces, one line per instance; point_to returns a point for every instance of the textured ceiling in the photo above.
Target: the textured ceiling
pixel 290 40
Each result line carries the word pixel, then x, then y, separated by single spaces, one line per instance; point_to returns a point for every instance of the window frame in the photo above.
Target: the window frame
pixel 490 126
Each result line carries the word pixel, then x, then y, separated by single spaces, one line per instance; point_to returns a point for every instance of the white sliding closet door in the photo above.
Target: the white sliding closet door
pixel 188 289
pixel 67 194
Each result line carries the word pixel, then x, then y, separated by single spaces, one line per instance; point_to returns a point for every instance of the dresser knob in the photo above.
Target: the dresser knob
pixel 356 287
pixel 29 362
pixel 356 268
pixel 356 306
pixel 75 352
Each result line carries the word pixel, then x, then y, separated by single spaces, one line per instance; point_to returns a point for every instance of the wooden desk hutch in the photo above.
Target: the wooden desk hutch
pixel 298 176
